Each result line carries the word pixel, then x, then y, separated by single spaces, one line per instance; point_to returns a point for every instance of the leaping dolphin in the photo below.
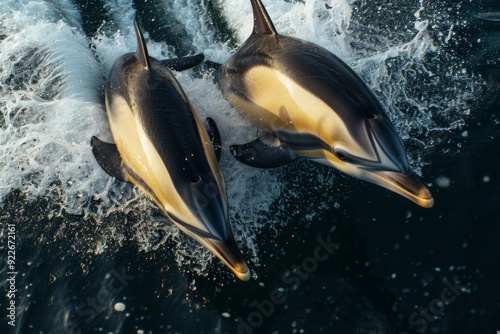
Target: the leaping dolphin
pixel 162 147
pixel 313 106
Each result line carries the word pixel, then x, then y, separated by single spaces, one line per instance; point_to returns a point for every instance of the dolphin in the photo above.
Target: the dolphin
pixel 312 105
pixel 161 146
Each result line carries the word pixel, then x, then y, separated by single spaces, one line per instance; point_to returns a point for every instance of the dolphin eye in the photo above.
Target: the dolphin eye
pixel 343 155
pixel 371 116
pixel 195 179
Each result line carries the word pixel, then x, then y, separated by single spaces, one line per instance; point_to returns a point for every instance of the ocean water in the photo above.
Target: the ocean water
pixel 94 255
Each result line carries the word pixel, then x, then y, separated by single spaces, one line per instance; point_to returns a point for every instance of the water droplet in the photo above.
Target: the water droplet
pixel 443 182
pixel 119 307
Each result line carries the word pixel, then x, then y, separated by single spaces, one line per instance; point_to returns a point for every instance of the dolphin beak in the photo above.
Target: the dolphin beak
pixel 404 184
pixel 229 253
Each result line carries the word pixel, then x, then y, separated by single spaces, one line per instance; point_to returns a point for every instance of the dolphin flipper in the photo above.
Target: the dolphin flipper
pixel 214 134
pixel 266 151
pixel 109 159
pixel 183 63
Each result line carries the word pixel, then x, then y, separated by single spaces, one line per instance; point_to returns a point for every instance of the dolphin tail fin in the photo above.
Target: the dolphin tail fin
pixel 142 50
pixel 266 151
pixel 262 22
pixel 109 159
pixel 183 63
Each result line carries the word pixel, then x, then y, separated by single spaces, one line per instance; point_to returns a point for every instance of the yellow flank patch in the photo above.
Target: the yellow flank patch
pixel 283 104
pixel 139 154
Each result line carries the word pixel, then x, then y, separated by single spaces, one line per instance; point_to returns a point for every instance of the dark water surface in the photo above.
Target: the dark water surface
pixel 329 254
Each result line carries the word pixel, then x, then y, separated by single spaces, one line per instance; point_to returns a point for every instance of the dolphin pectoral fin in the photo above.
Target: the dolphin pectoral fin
pixel 109 159
pixel 183 63
pixel 266 151
pixel 214 134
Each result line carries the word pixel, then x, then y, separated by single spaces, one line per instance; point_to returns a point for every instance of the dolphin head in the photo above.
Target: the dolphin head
pixel 375 153
pixel 204 196
pixel 211 207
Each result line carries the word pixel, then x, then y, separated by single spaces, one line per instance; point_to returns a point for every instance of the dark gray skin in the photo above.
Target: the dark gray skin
pixel 366 147
pixel 150 114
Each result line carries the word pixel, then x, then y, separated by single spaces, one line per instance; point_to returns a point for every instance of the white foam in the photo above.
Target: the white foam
pixel 50 106
pixel 197 25
pixel 309 20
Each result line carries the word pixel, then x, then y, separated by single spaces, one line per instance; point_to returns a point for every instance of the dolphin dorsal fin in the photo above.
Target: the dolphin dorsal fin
pixel 262 22
pixel 142 50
